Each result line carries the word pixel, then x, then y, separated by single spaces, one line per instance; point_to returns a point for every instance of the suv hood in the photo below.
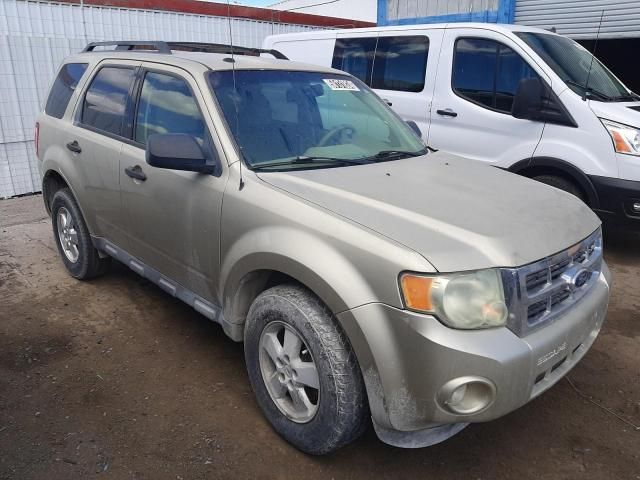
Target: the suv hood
pixel 457 213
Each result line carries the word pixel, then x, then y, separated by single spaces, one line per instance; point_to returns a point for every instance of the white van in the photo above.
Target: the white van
pixel 517 97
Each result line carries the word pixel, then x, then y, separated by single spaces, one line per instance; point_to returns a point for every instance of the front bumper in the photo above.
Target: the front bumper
pixel 406 359
pixel 617 197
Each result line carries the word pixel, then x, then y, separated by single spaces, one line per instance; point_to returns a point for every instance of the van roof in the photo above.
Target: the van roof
pixel 496 27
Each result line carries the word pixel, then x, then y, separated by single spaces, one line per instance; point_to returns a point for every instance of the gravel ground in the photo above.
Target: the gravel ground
pixel 115 379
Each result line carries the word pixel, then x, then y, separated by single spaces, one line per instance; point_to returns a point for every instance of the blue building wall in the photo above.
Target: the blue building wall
pixel 505 13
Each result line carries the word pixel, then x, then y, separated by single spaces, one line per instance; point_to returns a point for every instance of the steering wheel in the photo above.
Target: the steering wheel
pixel 335 131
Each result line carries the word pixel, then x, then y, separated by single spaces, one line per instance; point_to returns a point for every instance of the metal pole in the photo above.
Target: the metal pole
pixel 84 23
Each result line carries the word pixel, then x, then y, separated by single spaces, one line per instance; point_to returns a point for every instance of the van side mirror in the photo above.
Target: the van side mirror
pixel 527 102
pixel 414 126
pixel 176 151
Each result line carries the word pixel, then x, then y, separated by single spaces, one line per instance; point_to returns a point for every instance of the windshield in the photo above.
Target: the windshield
pixel 284 120
pixel 571 62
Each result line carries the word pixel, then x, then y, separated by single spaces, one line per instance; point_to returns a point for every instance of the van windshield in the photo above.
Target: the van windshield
pixel 284 120
pixel 571 62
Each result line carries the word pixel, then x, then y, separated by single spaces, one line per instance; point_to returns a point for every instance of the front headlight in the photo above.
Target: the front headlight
pixel 467 300
pixel 625 139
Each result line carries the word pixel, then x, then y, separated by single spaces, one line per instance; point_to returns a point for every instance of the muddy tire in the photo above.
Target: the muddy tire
pixel 562 184
pixel 303 371
pixel 72 238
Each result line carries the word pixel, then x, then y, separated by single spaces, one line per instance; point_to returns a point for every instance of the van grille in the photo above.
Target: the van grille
pixel 542 291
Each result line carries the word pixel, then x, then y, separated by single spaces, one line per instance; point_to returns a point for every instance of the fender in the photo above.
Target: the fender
pixel 321 268
pixel 567 168
pixel 51 165
pixel 297 254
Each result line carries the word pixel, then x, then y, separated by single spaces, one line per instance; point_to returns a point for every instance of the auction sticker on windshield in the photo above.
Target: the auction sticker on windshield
pixel 335 84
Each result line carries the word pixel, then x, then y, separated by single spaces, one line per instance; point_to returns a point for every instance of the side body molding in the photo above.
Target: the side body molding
pixel 201 305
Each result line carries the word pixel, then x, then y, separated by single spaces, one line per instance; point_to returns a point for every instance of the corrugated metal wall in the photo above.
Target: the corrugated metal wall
pixel 36 36
pixel 580 18
pixel 401 9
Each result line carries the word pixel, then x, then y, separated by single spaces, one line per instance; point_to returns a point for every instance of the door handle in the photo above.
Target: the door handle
pixel 387 102
pixel 74 146
pixel 136 172
pixel 447 112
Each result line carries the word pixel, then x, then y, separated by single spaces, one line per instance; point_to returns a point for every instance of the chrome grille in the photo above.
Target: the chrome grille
pixel 540 292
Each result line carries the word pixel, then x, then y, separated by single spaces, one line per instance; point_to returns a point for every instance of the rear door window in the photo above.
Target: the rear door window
pixel 400 63
pixel 355 56
pixel 106 99
pixel 167 105
pixel 488 73
pixel 63 87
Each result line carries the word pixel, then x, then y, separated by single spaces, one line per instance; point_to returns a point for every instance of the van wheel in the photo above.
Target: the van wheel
pixel 303 371
pixel 562 184
pixel 72 237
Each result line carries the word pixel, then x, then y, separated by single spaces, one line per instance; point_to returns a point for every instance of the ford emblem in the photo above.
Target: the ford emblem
pixel 581 278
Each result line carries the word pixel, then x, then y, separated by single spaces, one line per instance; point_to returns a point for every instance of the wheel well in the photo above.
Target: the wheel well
pixel 51 183
pixel 252 285
pixel 536 170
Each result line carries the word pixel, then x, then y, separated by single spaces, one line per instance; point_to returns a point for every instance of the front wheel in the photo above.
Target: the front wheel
pixel 562 184
pixel 303 371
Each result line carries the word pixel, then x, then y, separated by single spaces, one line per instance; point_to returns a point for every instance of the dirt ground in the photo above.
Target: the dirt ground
pixel 113 378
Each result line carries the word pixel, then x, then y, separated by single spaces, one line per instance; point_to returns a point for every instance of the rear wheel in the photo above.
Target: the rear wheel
pixel 72 237
pixel 562 184
pixel 303 371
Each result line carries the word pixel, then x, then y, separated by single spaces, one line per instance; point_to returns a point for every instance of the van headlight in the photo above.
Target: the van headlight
pixel 625 139
pixel 466 300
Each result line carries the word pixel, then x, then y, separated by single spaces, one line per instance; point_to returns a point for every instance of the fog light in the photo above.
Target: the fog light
pixel 467 395
pixel 458 395
pixel 636 206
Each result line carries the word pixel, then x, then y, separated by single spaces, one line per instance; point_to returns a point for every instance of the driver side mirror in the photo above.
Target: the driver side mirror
pixel 527 102
pixel 177 151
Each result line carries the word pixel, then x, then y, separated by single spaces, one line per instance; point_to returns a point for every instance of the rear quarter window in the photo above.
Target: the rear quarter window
pixel 63 87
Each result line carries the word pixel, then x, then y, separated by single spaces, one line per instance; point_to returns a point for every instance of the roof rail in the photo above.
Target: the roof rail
pixel 167 47
pixel 160 47
pixel 224 48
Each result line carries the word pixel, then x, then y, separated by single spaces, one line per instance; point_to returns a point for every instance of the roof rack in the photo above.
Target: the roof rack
pixel 160 47
pixel 224 48
pixel 167 47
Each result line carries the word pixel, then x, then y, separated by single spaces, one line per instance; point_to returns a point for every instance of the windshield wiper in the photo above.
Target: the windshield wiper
pixel 589 91
pixel 629 96
pixel 395 155
pixel 308 161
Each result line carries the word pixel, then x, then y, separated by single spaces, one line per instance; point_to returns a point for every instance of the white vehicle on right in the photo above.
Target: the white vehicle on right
pixel 516 97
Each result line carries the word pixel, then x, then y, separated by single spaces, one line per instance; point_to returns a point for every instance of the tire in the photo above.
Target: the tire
pixel 82 262
pixel 341 410
pixel 562 184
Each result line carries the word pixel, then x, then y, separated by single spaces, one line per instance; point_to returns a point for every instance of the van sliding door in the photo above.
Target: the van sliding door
pixel 404 69
pixel 397 65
